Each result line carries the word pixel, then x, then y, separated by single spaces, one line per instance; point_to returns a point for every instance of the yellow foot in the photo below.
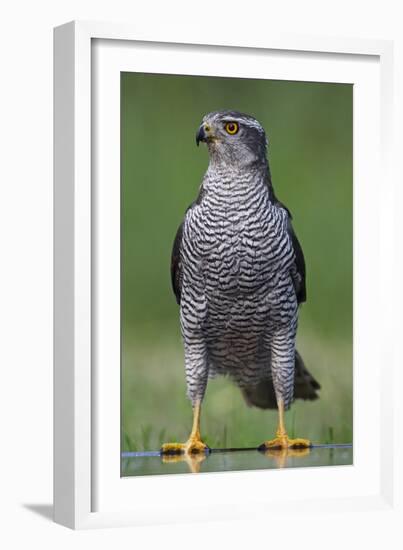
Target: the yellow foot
pixel 284 442
pixel 192 446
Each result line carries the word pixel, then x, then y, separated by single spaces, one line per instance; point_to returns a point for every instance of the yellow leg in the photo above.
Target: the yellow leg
pixel 194 444
pixel 282 441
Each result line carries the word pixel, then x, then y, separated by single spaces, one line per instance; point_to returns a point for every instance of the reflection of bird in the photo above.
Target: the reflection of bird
pixel 238 272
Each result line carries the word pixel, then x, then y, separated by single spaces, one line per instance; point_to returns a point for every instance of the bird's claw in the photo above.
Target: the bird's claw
pixel 192 446
pixel 284 442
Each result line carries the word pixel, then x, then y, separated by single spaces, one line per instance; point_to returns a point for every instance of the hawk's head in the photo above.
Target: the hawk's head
pixel 233 138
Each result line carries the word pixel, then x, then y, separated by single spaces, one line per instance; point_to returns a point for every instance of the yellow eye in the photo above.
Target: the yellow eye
pixel 232 128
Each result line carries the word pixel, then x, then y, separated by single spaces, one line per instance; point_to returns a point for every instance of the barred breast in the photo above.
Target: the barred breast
pixel 237 260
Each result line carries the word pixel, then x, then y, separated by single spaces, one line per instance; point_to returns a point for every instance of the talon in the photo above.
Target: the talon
pixel 193 446
pixel 172 449
pixel 284 442
pixel 196 447
pixel 299 443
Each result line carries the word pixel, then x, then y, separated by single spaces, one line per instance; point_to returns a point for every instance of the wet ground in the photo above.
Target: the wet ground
pixel 224 460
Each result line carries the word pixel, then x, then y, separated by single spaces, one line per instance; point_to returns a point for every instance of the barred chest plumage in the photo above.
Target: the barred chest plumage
pixel 238 237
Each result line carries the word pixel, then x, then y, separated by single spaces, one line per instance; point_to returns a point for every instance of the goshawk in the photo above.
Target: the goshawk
pixel 238 273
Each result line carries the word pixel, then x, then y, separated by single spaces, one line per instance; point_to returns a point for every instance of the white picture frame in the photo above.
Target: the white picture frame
pixel 88 490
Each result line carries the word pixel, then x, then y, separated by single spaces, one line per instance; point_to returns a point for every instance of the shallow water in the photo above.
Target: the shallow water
pixel 223 460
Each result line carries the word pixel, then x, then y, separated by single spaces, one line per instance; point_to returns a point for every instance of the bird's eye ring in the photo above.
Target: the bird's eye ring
pixel 232 128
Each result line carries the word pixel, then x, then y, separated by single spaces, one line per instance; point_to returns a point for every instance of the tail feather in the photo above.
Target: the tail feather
pixel 305 385
pixel 262 395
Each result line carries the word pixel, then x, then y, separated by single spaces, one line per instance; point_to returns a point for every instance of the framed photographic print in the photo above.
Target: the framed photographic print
pixel 218 309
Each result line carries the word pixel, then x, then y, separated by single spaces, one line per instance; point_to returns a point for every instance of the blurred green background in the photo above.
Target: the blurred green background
pixel 309 126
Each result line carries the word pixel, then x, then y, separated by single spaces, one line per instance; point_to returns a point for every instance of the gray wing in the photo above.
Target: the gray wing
pixel 299 275
pixel 300 278
pixel 176 264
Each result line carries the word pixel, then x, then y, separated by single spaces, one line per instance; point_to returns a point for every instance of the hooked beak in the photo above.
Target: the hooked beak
pixel 201 135
pixel 205 134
